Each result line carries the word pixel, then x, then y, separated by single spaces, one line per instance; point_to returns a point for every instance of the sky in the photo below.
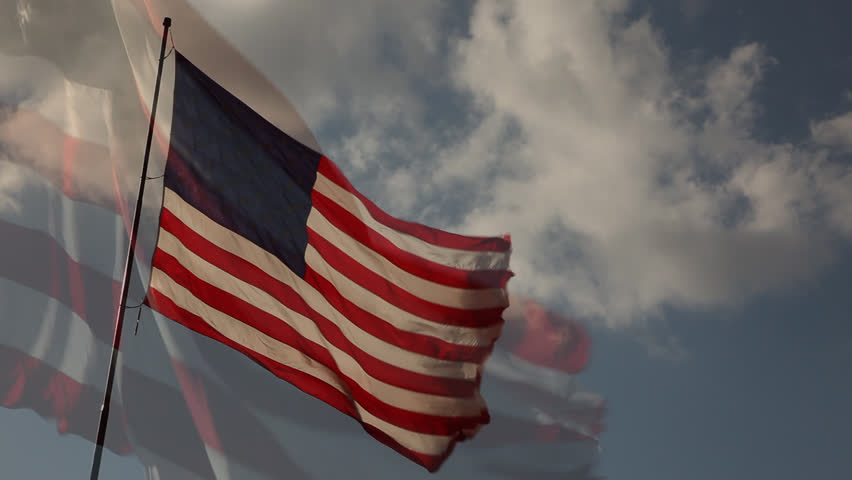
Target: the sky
pixel 675 173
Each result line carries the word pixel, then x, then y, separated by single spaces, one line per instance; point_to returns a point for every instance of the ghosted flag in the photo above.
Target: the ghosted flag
pixel 72 129
pixel 539 410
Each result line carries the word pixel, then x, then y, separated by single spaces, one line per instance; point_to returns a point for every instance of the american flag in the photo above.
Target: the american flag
pixel 188 407
pixel 266 247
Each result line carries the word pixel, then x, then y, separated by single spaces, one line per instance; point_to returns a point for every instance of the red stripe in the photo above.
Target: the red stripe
pixel 400 297
pixel 547 339
pixel 243 311
pixel 27 382
pixel 427 234
pixel 250 273
pixel 411 263
pixel 276 328
pixel 307 383
pixel 425 344
pixel 73 165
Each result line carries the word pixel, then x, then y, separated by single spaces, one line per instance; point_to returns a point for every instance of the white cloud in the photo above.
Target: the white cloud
pixel 627 184
pixel 335 58
pixel 631 185
pixel 834 132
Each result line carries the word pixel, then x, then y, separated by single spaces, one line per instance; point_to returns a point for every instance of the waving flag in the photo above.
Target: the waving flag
pixel 265 246
pixel 57 324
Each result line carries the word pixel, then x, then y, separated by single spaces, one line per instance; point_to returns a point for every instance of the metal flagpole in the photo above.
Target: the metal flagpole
pixel 128 268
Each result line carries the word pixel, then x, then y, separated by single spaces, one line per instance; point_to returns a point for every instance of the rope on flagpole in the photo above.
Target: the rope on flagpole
pixel 128 268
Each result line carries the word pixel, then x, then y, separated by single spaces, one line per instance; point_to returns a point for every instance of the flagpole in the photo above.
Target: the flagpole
pixel 128 268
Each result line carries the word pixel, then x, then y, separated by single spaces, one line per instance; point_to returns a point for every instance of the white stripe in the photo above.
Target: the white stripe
pixel 513 368
pixel 76 109
pixel 416 442
pixel 239 246
pixel 461 259
pixel 385 310
pixel 263 344
pixel 160 468
pixel 76 226
pixel 284 354
pixel 47 330
pixel 375 347
pixel 464 298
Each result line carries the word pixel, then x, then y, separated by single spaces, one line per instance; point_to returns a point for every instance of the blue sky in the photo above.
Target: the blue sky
pixel 676 174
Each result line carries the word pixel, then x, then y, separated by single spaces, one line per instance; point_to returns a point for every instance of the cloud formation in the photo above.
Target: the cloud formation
pixel 628 183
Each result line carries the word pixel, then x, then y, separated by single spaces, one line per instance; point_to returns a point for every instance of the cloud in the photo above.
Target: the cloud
pixel 834 132
pixel 628 183
pixel 668 348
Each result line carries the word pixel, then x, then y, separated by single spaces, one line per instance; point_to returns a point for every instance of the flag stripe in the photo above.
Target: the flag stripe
pixel 421 267
pixel 328 255
pixel 73 224
pixel 187 250
pixel 77 109
pixel 26 382
pixel 287 363
pixel 46 267
pixel 334 357
pixel 378 265
pixel 358 202
pixel 407 337
pixel 236 245
pixel 353 292
pixel 235 265
pixel 293 322
pixel 34 141
pixel 43 321
pixel 358 219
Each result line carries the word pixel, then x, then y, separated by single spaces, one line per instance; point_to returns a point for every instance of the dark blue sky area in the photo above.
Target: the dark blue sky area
pixel 762 391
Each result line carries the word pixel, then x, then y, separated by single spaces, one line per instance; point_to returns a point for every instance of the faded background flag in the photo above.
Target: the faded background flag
pixel 675 174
